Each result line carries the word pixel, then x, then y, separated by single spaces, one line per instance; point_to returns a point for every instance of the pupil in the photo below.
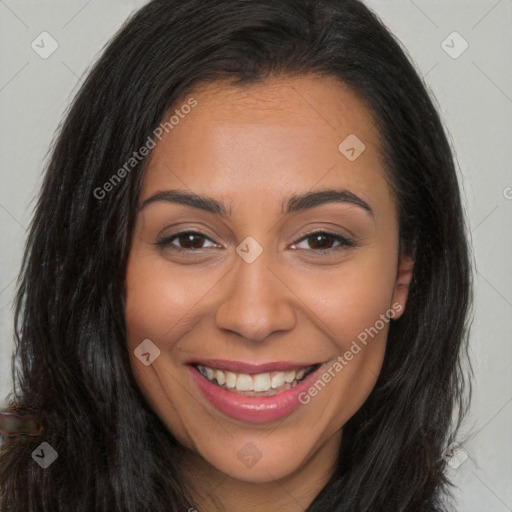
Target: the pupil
pixel 187 240
pixel 318 238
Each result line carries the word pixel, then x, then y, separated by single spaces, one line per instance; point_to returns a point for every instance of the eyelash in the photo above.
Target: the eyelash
pixel 344 241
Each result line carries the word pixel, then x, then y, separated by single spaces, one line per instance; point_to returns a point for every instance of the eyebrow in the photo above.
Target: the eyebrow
pixel 294 204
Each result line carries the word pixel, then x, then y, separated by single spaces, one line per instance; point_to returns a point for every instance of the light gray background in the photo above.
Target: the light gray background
pixel 474 93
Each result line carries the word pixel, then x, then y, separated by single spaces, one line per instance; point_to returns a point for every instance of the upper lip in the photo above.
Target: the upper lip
pixel 250 368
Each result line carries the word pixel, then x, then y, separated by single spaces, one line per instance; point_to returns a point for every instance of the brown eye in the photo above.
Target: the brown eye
pixel 187 240
pixel 190 241
pixel 322 242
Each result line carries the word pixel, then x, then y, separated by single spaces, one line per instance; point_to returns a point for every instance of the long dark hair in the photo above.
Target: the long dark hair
pixel 72 364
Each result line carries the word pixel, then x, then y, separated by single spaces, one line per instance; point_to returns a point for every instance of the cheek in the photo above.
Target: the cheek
pixel 353 308
pixel 352 298
pixel 159 301
pixel 164 304
pixel 159 307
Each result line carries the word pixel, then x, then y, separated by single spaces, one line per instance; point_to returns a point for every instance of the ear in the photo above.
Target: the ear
pixel 401 289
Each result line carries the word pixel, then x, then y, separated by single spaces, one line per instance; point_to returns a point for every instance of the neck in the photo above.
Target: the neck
pixel 215 491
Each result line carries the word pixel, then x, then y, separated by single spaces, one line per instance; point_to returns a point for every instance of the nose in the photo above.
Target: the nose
pixel 256 302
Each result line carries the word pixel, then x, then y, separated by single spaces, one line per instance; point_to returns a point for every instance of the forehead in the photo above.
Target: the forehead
pixel 270 138
pixel 301 98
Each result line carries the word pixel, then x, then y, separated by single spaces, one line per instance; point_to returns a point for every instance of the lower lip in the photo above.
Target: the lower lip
pixel 252 408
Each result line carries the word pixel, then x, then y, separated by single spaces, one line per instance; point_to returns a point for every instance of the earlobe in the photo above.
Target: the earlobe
pixel 403 279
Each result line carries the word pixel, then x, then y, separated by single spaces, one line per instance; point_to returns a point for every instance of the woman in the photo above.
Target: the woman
pixel 247 281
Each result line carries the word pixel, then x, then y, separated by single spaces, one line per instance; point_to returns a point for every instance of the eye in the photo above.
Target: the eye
pixel 322 242
pixel 188 240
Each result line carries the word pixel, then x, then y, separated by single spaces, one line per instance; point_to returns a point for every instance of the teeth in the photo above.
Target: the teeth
pixel 278 380
pixel 244 382
pixel 220 376
pixel 289 376
pixel 261 382
pixel 230 379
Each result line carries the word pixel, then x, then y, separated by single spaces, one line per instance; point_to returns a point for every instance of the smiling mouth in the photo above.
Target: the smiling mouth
pixel 258 384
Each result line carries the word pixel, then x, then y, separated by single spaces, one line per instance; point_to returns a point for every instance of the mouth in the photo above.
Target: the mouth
pixel 268 383
pixel 256 393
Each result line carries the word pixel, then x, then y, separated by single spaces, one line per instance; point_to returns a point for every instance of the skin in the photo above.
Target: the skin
pixel 252 149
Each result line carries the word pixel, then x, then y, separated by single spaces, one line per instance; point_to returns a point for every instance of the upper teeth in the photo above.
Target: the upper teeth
pixel 256 382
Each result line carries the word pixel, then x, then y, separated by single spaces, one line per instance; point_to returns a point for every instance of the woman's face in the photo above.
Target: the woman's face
pixel 287 263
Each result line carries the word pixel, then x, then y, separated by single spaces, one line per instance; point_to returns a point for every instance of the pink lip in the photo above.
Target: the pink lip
pixel 252 408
